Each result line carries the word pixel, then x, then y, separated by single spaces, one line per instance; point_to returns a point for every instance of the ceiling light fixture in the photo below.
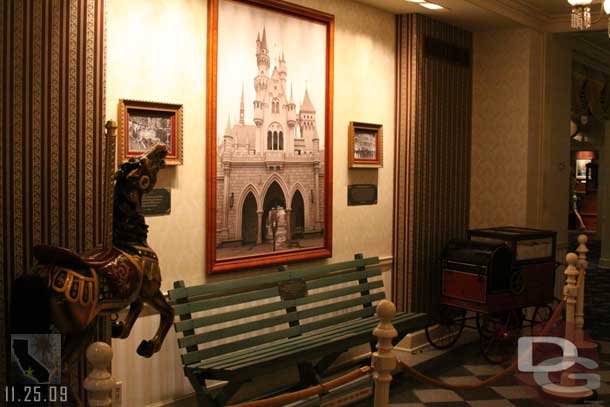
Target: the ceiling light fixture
pixel 416 1
pixel 431 6
pixel 581 14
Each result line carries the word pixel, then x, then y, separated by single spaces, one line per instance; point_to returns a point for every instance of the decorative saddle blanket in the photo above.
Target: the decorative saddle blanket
pixel 116 282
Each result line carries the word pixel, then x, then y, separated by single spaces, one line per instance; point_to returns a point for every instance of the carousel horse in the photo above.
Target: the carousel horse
pixel 104 281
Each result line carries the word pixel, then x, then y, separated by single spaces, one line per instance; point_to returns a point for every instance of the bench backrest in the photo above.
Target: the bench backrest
pixel 229 316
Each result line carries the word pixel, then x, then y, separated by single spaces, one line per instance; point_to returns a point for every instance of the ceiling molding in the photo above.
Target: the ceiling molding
pixel 517 10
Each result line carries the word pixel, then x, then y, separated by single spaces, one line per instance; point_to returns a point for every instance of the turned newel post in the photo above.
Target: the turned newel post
pixel 582 274
pixel 570 292
pixel 99 383
pixel 384 360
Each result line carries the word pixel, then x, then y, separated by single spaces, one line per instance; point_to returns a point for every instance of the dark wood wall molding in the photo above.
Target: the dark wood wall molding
pixel 51 123
pixel 432 161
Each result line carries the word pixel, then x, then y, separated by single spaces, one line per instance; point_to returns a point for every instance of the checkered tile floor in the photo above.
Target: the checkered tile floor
pixel 465 365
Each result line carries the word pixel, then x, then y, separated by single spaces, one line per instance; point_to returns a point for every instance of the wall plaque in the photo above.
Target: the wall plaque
pixel 157 202
pixel 292 289
pixel 362 194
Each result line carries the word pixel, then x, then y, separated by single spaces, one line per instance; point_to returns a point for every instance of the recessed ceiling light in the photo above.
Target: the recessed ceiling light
pixel 416 1
pixel 432 6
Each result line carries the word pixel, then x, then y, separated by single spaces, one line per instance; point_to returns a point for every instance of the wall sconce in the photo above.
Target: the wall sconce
pixel 231 200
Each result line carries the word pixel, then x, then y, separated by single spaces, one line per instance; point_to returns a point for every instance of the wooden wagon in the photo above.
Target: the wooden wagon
pixel 505 277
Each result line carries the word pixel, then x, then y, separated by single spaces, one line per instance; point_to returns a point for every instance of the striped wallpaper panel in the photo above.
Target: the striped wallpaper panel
pixel 433 138
pixel 51 125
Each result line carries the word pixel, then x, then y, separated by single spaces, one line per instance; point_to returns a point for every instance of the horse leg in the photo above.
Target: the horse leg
pixel 123 329
pixel 158 302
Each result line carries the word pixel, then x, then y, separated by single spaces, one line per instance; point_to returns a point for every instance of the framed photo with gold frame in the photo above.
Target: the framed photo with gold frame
pixel 269 134
pixel 142 124
pixel 365 145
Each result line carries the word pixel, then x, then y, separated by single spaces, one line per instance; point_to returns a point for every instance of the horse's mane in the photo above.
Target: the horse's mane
pixel 128 225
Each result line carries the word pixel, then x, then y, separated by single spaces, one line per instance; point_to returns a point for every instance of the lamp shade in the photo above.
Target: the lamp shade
pixel 580 2
pixel 607 6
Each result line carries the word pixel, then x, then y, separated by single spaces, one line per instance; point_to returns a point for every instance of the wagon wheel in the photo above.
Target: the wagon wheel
pixel 450 326
pixel 499 332
pixel 540 316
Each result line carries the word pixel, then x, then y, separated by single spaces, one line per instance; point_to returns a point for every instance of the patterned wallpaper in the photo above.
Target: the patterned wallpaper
pixel 364 90
pixel 51 124
pixel 500 128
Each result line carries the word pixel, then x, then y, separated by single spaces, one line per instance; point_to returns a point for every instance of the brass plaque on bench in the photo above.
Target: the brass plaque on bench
pixel 292 289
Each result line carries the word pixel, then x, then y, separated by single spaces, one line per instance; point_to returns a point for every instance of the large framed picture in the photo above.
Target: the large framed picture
pixel 269 134
pixel 142 124
pixel 365 148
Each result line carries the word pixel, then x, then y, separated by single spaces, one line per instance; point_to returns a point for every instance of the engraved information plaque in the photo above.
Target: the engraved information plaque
pixel 157 202
pixel 362 194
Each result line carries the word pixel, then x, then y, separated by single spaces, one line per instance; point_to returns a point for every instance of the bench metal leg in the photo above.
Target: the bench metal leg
pixel 204 397
pixel 308 375
pixel 326 361
pixel 227 392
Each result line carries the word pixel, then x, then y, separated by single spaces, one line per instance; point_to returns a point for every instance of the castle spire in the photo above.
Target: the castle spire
pixel 241 106
pixel 307 106
pixel 228 129
pixel 265 40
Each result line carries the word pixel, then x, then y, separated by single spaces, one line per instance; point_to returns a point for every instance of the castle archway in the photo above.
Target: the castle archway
pixel 249 223
pixel 297 221
pixel 274 197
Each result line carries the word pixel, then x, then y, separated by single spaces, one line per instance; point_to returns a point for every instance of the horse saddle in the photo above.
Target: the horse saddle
pixel 95 258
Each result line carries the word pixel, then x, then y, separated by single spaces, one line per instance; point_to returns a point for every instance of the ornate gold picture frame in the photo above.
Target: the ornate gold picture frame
pixel 365 148
pixel 141 124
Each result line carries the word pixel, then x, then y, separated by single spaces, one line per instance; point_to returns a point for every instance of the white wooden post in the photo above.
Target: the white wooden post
pixel 582 265
pixel 99 383
pixel 384 360
pixel 582 273
pixel 570 293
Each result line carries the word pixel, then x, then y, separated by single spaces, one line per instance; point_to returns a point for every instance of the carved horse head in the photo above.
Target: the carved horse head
pixel 139 174
pixel 133 179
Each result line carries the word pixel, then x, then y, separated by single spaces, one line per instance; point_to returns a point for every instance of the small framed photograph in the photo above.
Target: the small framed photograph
pixel 581 168
pixel 365 145
pixel 143 124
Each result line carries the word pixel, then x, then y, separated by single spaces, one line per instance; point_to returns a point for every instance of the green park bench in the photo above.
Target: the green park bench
pixel 308 317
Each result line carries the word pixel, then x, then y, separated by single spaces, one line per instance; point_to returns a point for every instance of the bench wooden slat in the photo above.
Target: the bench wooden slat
pixel 337 319
pixel 236 330
pixel 339 292
pixel 331 268
pixel 232 315
pixel 261 309
pixel 217 302
pixel 212 303
pixel 281 346
pixel 313 341
pixel 246 283
pixel 339 330
pixel 337 306
pixel 196 356
pixel 269 322
pixel 342 278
